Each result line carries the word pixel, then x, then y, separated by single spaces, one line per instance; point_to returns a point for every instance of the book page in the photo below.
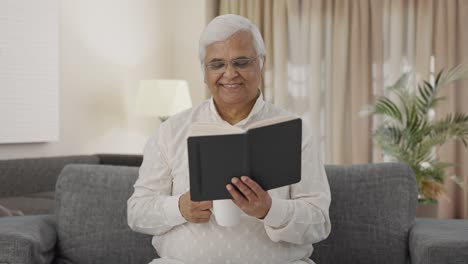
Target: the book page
pixel 212 129
pixel 271 121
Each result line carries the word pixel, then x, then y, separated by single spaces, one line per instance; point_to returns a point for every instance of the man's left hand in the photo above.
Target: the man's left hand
pixel 249 197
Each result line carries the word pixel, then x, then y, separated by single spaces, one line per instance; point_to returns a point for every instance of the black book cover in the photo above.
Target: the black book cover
pixel 270 155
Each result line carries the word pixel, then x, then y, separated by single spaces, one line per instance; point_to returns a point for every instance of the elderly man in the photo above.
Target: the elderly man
pixel 277 226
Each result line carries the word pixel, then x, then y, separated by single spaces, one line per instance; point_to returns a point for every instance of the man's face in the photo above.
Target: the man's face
pixel 233 85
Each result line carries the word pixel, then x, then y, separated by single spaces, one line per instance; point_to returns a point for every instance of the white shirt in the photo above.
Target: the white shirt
pixel 297 218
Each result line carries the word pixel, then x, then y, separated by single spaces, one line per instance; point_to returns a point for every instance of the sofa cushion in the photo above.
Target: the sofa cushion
pixel 4 211
pixel 372 209
pixel 92 216
pixel 27 239
pixel 35 203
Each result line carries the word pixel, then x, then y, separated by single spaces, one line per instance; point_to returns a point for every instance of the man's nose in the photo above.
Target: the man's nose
pixel 230 71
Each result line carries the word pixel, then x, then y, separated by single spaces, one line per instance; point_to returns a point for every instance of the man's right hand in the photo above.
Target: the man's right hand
pixel 194 212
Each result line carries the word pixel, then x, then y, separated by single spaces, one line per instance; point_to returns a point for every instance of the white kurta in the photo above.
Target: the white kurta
pixel 298 216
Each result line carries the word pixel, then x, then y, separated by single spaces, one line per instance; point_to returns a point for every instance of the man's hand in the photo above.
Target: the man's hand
pixel 251 199
pixel 194 212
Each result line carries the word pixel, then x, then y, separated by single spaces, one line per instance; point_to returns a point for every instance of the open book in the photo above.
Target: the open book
pixel 268 151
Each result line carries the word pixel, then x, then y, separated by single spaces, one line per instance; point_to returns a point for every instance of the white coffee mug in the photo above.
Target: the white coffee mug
pixel 226 212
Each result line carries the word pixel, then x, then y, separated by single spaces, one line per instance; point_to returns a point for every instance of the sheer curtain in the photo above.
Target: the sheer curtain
pixel 271 19
pixel 312 47
pixel 427 36
pixel 450 47
pixel 328 58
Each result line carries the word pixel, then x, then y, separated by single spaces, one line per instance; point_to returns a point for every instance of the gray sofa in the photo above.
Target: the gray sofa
pixel 372 215
pixel 27 186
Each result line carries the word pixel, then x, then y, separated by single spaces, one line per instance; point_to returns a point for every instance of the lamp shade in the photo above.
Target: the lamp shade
pixel 162 97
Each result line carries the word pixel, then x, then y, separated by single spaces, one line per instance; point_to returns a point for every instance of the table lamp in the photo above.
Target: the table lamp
pixel 162 98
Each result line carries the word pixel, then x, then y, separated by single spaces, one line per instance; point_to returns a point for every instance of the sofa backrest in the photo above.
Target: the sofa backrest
pixel 91 211
pixel 34 175
pixel 373 207
pixel 131 160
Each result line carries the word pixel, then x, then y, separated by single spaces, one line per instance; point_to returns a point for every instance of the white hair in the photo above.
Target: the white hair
pixel 224 26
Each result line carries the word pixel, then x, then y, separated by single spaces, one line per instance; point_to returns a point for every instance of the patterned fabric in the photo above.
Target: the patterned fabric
pixel 298 217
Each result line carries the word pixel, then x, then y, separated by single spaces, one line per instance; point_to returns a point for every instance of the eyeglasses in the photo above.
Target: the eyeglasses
pixel 240 65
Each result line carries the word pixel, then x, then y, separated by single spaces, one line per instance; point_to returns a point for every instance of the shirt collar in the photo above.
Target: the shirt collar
pixel 259 103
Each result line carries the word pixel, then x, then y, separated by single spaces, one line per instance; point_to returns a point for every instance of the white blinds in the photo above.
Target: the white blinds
pixel 29 59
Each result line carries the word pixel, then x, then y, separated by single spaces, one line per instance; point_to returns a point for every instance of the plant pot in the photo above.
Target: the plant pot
pixel 427 210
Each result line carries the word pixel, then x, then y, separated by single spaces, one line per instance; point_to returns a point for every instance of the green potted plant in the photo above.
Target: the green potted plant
pixel 410 133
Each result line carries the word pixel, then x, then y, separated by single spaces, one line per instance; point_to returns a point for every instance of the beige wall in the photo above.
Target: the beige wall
pixel 106 47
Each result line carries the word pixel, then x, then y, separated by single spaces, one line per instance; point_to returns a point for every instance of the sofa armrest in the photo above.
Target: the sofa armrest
pixel 27 239
pixel 439 241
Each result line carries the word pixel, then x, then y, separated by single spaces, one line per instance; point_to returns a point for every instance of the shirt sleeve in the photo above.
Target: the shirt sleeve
pixel 304 218
pixel 152 209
